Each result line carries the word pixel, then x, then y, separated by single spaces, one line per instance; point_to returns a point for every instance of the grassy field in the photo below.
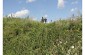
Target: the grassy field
pixel 28 37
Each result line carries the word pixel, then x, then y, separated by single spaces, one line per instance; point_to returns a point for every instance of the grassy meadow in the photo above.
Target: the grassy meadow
pixel 29 37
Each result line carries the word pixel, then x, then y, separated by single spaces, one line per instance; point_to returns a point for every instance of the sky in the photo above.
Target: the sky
pixel 51 9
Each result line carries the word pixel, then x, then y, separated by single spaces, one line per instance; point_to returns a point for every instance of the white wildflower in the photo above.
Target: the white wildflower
pixel 60 42
pixel 72 47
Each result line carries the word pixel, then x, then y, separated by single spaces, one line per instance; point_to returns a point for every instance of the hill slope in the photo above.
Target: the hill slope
pixel 28 37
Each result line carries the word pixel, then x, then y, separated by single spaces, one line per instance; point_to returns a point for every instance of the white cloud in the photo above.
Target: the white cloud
pixel 75 2
pixel 30 1
pixel 61 3
pixel 45 15
pixel 34 18
pixel 73 9
pixel 9 15
pixel 22 13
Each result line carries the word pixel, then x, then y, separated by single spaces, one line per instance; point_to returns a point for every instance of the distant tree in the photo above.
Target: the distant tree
pixel 51 20
pixel 72 15
pixel 45 20
pixel 42 20
pixel 11 15
pixel 27 16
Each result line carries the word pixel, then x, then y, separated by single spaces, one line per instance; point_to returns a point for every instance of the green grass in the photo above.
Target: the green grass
pixel 28 37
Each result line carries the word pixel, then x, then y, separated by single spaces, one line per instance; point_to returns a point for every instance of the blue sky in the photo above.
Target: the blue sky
pixel 52 9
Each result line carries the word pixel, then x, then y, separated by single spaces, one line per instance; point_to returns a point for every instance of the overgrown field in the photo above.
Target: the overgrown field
pixel 28 37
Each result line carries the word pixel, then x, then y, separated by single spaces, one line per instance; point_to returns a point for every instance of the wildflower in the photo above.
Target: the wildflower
pixel 60 42
pixel 72 47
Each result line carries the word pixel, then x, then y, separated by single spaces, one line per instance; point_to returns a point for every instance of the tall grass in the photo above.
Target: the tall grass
pixel 28 37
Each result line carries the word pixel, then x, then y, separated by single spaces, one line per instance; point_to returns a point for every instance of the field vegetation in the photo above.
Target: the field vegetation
pixel 29 37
